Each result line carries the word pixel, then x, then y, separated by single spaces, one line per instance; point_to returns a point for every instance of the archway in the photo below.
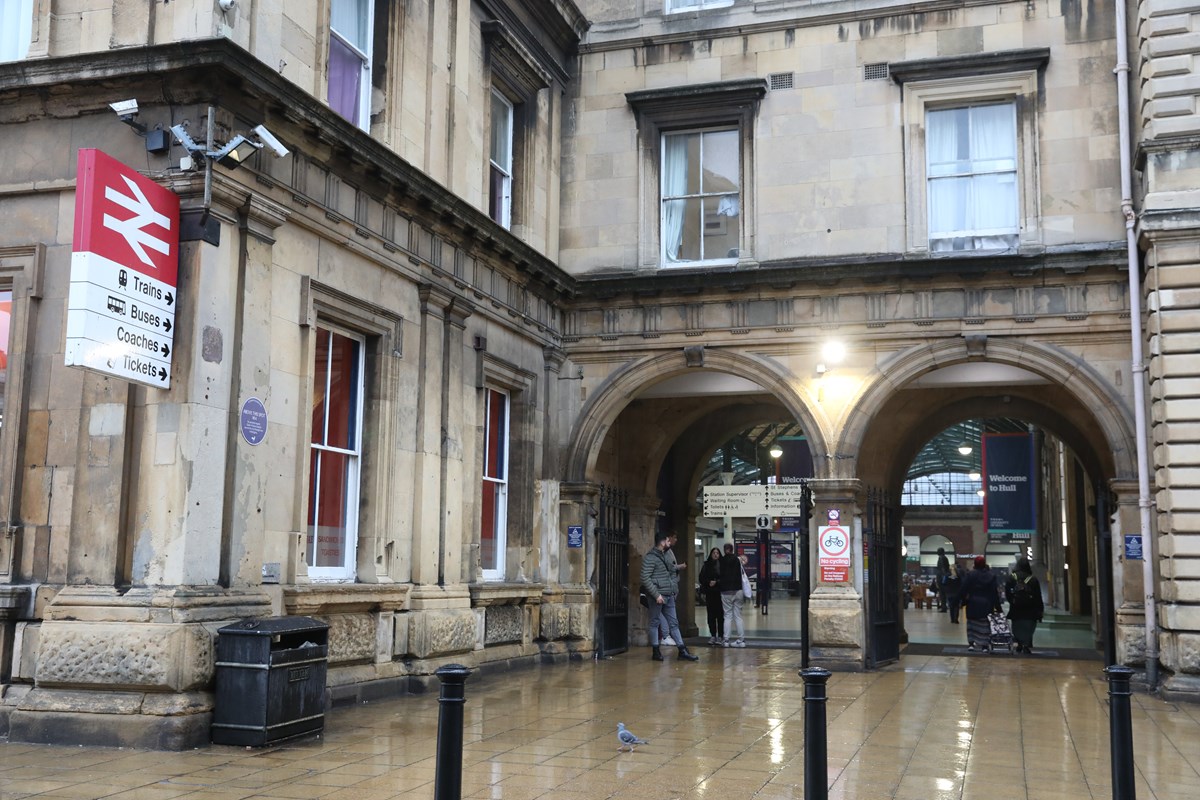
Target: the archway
pixel 651 427
pixel 927 390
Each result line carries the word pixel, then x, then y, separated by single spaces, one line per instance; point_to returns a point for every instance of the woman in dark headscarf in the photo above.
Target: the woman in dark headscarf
pixel 1025 606
pixel 710 575
pixel 980 596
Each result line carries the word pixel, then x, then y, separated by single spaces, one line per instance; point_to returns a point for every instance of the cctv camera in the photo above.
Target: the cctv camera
pixel 125 108
pixel 268 139
pixel 226 4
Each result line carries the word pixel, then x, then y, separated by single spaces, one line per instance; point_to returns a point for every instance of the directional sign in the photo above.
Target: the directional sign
pixel 734 501
pixel 118 361
pixel 121 302
pixel 786 499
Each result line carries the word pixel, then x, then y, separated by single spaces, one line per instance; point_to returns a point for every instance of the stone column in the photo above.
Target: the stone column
pixel 836 610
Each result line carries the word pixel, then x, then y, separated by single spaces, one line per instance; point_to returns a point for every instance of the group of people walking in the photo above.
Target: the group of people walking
pixel 979 594
pixel 721 579
pixel 723 582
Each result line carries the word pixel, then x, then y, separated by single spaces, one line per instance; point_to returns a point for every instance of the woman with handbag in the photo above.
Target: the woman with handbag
pixel 735 588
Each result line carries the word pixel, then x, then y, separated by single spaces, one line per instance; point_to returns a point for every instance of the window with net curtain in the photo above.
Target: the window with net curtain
pixel 335 454
pixel 493 539
pixel 971 167
pixel 350 60
pixel 701 196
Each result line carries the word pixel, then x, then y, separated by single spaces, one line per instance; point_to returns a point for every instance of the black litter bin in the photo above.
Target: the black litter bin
pixel 270 681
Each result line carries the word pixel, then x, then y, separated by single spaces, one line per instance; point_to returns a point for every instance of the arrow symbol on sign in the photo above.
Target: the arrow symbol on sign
pixel 133 229
pixel 170 298
pixel 162 374
pixel 166 351
pixel 167 325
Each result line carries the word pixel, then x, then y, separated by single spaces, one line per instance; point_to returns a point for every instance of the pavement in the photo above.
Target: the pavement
pixel 730 726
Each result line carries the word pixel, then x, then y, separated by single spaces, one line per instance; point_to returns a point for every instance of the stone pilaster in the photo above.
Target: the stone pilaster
pixel 1173 362
pixel 428 516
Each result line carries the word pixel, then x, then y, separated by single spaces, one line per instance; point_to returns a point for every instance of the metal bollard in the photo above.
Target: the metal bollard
pixel 1120 727
pixel 447 777
pixel 816 762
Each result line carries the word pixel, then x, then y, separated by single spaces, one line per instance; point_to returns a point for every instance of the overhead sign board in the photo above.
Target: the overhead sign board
pixel 734 501
pixel 124 268
pixel 786 500
pixel 1010 478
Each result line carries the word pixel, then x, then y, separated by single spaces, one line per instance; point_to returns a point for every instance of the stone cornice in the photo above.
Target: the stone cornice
pixel 877 269
pixel 975 64
pixel 722 94
pixel 221 73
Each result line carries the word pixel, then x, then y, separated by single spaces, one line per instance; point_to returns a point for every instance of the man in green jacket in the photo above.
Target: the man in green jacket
pixel 660 582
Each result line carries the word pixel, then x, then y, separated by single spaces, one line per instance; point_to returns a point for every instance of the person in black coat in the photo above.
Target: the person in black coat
pixel 1025 605
pixel 951 591
pixel 710 576
pixel 980 596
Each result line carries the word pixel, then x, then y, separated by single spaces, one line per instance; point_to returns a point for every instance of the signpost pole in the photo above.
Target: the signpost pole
pixel 805 572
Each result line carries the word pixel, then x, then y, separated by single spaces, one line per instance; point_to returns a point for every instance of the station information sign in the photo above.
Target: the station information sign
pixel 124 268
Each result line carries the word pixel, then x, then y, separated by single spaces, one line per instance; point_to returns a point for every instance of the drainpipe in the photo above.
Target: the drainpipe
pixel 1135 332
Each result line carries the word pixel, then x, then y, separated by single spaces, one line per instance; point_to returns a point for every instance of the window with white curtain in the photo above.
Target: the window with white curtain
pixel 701 196
pixel 971 181
pixel 350 29
pixel 971 167
pixel 500 169
pixel 16 28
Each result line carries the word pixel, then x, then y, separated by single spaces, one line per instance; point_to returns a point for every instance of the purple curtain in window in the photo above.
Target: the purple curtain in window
pixel 345 76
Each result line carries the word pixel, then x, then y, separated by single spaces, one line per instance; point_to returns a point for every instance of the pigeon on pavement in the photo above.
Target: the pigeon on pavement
pixel 628 738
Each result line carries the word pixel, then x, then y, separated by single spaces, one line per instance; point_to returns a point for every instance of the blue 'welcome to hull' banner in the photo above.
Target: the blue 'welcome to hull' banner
pixel 1009 504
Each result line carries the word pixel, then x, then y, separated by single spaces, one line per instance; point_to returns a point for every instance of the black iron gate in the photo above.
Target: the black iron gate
pixel 881 574
pixel 612 537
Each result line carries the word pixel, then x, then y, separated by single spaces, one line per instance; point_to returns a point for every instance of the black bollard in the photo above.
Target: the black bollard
pixel 447 776
pixel 1120 728
pixel 816 762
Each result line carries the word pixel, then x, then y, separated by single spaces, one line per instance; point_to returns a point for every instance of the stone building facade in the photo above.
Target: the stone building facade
pixel 531 250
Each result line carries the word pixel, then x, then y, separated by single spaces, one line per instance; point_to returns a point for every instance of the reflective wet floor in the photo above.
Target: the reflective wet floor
pixel 731 726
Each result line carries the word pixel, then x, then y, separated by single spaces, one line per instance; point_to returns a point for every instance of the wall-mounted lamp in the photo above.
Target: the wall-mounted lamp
pixel 127 111
pixel 832 352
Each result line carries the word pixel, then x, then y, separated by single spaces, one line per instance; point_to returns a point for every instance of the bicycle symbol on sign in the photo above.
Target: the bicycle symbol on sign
pixel 833 542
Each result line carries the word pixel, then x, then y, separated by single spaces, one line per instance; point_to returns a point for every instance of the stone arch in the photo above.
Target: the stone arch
pixel 1096 399
pixel 602 409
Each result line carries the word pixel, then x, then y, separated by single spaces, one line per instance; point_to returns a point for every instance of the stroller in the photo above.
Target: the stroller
pixel 999 633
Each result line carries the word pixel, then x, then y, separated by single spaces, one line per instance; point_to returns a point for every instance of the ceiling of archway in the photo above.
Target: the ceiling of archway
pixel 941 455
pixel 748 454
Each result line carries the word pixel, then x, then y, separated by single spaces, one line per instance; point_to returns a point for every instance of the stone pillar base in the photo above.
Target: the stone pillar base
pixel 108 719
pixel 836 629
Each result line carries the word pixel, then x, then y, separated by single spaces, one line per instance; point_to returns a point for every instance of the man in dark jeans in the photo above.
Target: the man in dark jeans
pixel 660 582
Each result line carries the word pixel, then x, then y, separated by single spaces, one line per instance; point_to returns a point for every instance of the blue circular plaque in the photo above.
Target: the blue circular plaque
pixel 254 420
